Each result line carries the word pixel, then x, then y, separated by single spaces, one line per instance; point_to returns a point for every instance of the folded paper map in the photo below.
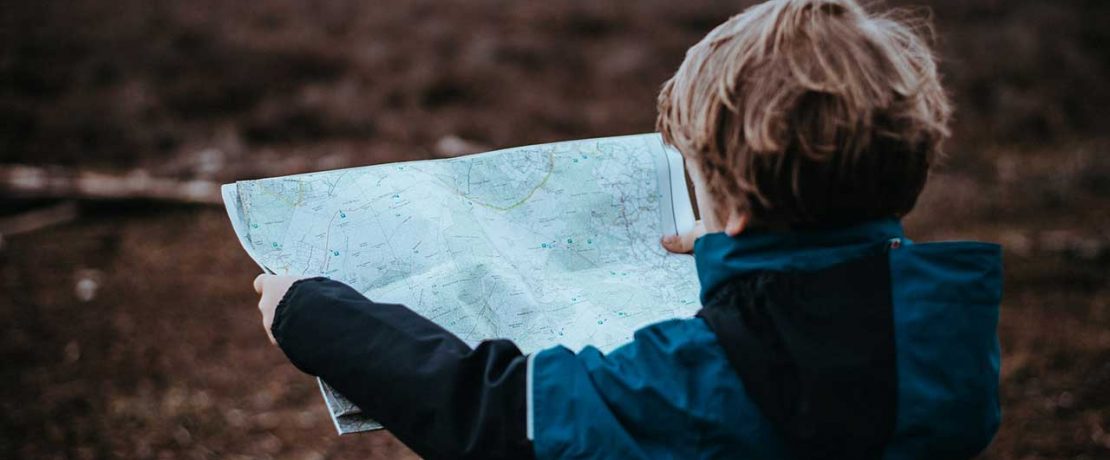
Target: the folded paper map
pixel 544 245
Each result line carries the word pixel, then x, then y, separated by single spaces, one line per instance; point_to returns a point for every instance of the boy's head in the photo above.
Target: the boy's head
pixel 808 113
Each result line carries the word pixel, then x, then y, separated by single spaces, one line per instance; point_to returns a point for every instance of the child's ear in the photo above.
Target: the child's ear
pixel 737 222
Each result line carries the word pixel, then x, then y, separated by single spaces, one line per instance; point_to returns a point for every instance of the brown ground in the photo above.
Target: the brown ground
pixel 167 358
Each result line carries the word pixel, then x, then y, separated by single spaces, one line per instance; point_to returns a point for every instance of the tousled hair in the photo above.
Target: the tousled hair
pixel 809 112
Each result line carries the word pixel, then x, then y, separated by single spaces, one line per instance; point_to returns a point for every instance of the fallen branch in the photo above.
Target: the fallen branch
pixel 36 219
pixel 21 181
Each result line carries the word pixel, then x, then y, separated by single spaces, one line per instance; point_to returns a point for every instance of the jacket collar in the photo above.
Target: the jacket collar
pixel 720 257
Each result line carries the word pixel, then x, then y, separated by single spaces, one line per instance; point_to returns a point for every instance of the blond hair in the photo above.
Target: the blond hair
pixel 809 112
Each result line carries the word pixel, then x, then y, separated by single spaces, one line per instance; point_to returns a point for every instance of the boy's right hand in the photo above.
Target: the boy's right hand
pixel 683 243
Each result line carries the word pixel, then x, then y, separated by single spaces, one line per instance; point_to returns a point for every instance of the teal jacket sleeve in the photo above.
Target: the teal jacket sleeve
pixel 666 394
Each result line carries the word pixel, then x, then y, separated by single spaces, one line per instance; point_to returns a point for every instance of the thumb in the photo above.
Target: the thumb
pixel 258 281
pixel 683 243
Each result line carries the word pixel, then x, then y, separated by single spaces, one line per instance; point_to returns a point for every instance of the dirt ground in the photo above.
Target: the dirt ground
pixel 132 332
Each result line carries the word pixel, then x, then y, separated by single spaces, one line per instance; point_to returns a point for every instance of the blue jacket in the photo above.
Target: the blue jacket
pixel 672 392
pixel 846 343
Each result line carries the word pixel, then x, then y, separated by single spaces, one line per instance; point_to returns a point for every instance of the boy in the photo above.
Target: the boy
pixel 808 128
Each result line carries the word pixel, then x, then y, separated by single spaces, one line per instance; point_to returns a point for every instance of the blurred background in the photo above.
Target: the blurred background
pixel 129 324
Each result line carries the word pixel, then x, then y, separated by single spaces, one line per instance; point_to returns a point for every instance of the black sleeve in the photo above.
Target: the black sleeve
pixel 436 394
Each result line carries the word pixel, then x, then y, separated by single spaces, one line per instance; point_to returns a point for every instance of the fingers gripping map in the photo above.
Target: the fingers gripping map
pixel 544 245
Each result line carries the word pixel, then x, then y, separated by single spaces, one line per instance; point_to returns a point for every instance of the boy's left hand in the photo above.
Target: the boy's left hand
pixel 683 243
pixel 272 288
